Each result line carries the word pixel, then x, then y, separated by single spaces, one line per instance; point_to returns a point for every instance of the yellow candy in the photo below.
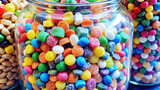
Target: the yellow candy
pixel 32 79
pixel 29 49
pixel 136 40
pixel 109 62
pixel 68 17
pixel 28 14
pixel 48 17
pixel 149 8
pixel 44 88
pixel 140 0
pixel 9 49
pixel 95 89
pixel 48 23
pixel 31 34
pixel 28 60
pixel 146 64
pixel 149 15
pixel 118 48
pixel 37 32
pixel 124 80
pixel 99 51
pixel 50 56
pixel 135 29
pixel 24 65
pixel 135 23
pixel 60 85
pixel 130 6
pixel 84 88
pixel 10 7
pixel 86 75
pixel 93 59
pixel 70 60
pixel 118 64
pixel 158 65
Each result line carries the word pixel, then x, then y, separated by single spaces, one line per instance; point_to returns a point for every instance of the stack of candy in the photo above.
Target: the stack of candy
pixel 9 10
pixel 146 46
pixel 73 49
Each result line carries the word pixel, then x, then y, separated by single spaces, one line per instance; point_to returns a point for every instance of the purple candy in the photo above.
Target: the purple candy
pixel 88 51
pixel 4 43
pixel 116 57
pixel 138 65
pixel 72 67
pixel 119 84
pixel 150 58
pixel 109 88
pixel 91 84
pixel 104 72
pixel 137 55
pixel 133 73
pixel 154 42
pixel 151 72
pixel 86 66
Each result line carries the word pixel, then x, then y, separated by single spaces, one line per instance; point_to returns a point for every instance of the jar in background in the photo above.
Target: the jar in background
pixel 9 11
pixel 146 43
pixel 74 46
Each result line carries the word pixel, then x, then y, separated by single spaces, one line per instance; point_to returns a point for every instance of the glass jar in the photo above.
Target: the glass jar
pixel 9 11
pixel 146 44
pixel 74 46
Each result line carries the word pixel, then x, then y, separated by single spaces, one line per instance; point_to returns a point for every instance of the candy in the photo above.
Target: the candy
pixel 44 77
pixel 58 49
pixel 42 36
pixel 72 78
pixel 74 40
pixel 83 42
pixel 99 51
pixel 81 61
pixel 70 60
pixel 80 84
pixel 86 75
pixel 61 66
pixel 42 67
pixel 62 76
pixel 77 51
pixel 60 85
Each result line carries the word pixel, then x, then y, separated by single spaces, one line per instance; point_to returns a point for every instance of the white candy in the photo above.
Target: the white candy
pixel 143 39
pixel 58 49
pixel 102 64
pixel 109 34
pixel 115 74
pixel 151 38
pixel 74 40
pixel 148 77
pixel 78 18
pixel 24 53
pixel 153 47
pixel 157 74
pixel 135 67
pixel 144 56
pixel 137 78
pixel 150 68
pixel 102 26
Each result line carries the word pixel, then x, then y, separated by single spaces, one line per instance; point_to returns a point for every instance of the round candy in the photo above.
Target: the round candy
pixel 44 77
pixel 42 67
pixel 81 61
pixel 50 56
pixel 60 85
pixel 62 76
pixel 80 84
pixel 86 75
pixel 70 60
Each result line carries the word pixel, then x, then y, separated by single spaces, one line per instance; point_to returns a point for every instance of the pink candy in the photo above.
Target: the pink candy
pixel 144 33
pixel 140 46
pixel 21 29
pixel 52 41
pixel 121 54
pixel 28 69
pixel 152 2
pixel 29 20
pixel 144 4
pixel 152 32
pixel 62 76
pixel 94 42
pixel 139 65
pixel 124 71
pixel 158 49
pixel 150 58
pixel 96 32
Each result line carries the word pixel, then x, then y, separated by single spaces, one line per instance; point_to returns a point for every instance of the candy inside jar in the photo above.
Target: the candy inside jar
pixel 74 47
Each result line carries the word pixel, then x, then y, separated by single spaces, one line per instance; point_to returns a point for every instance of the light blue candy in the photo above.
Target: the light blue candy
pixel 35 43
pixel 39 83
pixel 102 86
pixel 27 27
pixel 83 42
pixel 157 6
pixel 36 73
pixel 81 61
pixel 113 68
pixel 105 56
pixel 80 84
pixel 44 77
pixel 107 80
pixel 117 39
pixel 29 86
pixel 126 51
pixel 153 63
pixel 140 28
pixel 24 73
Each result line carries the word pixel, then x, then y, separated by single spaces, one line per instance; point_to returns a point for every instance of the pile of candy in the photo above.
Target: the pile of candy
pixel 73 49
pixel 146 46
pixel 9 10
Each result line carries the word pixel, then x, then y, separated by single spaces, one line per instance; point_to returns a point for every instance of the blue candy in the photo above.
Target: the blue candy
pixel 116 57
pixel 124 64
pixel 86 66
pixel 70 87
pixel 44 77
pixel 102 86
pixel 117 39
pixel 153 63
pixel 29 86
pixel 27 27
pixel 126 51
pixel 80 84
pixel 107 80
pixel 104 72
pixel 111 47
pixel 139 51
pixel 39 83
pixel 140 28
pixel 157 6
pixel 35 43
pixel 40 28
pixel 24 73
pixel 113 68
pixel 81 61
pixel 134 51
pixel 105 56
pixel 83 42
pixel 78 72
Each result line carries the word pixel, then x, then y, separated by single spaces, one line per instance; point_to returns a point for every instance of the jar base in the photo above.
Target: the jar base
pixel 141 84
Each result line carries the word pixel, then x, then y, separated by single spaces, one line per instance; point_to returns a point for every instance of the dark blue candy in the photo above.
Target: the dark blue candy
pixel 4 43
pixel 116 56
pixel 88 51
pixel 29 86
pixel 139 51
pixel 107 80
pixel 134 51
pixel 140 28
pixel 70 87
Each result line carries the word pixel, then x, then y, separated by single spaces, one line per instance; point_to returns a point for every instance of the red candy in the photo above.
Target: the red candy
pixel 121 54
pixel 144 4
pixel 140 46
pixel 152 2
pixel 52 41
pixel 137 10
pixel 2 10
pixel 134 16
pixel 23 37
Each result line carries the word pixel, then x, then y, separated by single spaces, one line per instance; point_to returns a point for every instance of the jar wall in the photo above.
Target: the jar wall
pixel 145 58
pixel 61 48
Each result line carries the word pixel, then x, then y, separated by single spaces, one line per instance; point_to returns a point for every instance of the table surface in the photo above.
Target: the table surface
pixel 131 87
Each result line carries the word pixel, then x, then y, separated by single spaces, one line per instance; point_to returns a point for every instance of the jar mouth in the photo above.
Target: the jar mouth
pixel 43 3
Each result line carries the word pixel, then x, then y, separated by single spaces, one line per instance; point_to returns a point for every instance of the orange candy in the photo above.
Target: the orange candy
pixel 146 50
pixel 87 23
pixel 34 26
pixel 50 85
pixel 53 78
pixel 72 78
pixel 126 30
pixel 67 52
pixel 155 24
pixel 35 65
pixel 122 59
pixel 64 41
pixel 45 47
pixel 68 33
pixel 98 78
pixel 135 59
pixel 94 69
pixel 63 25
pixel 77 51
pixel 38 49
pixel 42 58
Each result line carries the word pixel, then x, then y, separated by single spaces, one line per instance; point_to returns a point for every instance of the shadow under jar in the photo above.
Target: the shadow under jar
pixel 74 46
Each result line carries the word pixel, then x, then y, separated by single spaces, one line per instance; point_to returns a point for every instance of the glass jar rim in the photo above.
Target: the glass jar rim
pixel 43 3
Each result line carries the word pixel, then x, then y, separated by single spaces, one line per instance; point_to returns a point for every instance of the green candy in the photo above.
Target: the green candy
pixel 158 54
pixel 58 32
pixel 146 44
pixel 104 21
pixel 142 70
pixel 17 12
pixel 124 37
pixel 71 8
pixel 52 72
pixel 131 1
pixel 152 53
pixel 42 67
pixel 92 0
pixel 72 28
pixel 35 56
pixel 28 42
pixel 141 14
pixel 142 60
pixel 61 66
pixel 103 41
pixel 1 37
pixel 42 36
pixel 146 23
pixel 139 19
